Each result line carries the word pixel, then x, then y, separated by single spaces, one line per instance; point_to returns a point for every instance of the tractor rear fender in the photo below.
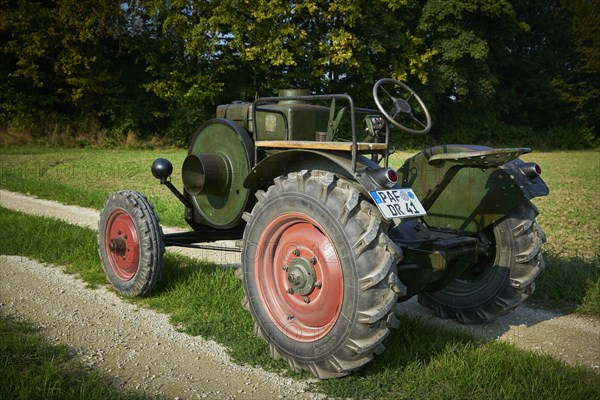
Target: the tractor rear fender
pixel 284 162
pixel 467 188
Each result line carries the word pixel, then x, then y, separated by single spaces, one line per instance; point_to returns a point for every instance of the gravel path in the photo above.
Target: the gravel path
pixel 137 345
pixel 144 351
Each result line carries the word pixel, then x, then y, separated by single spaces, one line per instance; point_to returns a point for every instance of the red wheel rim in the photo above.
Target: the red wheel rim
pixel 288 243
pixel 122 245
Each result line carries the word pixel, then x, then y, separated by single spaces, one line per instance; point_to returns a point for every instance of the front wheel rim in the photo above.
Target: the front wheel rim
pixel 121 245
pixel 299 277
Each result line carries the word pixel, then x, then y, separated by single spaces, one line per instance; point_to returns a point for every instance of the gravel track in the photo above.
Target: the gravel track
pixel 141 348
pixel 138 346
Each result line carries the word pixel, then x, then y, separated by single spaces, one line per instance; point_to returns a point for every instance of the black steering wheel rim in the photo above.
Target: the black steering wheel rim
pixel 402 106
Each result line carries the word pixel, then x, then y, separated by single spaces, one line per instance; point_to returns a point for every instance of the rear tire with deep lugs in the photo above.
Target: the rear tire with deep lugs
pixel 500 281
pixel 319 273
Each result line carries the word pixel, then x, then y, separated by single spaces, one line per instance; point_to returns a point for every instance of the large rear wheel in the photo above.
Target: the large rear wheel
pixel 130 243
pixel 319 274
pixel 502 279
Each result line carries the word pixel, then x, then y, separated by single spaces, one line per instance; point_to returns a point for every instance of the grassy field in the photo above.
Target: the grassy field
pixel 420 361
pixel 568 215
pixel 30 368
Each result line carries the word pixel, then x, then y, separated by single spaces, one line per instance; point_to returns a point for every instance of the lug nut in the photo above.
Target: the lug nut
pixel 285 267
pixel 306 299
pixel 290 317
pixel 313 260
pixel 290 291
pixel 318 284
pixel 296 252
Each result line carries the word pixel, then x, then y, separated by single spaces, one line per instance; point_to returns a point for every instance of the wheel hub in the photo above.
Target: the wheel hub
pixel 299 277
pixel 302 276
pixel 401 106
pixel 122 244
pixel 118 246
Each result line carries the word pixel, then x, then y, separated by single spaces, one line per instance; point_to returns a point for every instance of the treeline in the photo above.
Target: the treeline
pixel 492 71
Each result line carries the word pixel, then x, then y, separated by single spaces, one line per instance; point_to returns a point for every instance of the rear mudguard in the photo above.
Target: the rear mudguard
pixel 284 162
pixel 467 188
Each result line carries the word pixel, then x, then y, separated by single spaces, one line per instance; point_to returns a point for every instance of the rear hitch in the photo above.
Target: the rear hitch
pixel 432 259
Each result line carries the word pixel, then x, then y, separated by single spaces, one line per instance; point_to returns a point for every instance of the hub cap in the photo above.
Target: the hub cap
pixel 122 245
pixel 299 277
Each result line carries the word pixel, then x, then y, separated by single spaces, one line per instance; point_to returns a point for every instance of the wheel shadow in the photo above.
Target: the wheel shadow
pixel 206 301
pixel 565 285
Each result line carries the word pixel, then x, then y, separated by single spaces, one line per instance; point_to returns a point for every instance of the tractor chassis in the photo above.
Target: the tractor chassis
pixel 203 234
pixel 432 258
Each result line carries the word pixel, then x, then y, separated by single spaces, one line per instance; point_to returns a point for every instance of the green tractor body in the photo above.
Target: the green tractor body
pixel 331 238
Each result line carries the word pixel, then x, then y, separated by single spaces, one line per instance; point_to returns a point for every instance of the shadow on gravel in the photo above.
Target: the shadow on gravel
pixel 203 298
pixel 566 285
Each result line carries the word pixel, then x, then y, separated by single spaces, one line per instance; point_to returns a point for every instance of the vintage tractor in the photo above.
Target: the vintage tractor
pixel 332 238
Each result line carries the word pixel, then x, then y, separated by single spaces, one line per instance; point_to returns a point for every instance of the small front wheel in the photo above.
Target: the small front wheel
pixel 130 243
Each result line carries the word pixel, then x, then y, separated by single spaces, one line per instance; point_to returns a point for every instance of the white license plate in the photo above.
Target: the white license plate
pixel 398 203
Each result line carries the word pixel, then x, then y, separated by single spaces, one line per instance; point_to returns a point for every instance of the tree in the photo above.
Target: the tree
pixel 318 44
pixel 465 34
pixel 179 51
pixel 61 51
pixel 579 83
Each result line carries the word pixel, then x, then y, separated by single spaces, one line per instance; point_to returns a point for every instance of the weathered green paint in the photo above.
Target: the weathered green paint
pixel 303 120
pixel 477 158
pixel 284 162
pixel 462 188
pixel 230 141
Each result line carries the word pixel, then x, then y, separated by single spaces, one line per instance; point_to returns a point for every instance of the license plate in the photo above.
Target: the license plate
pixel 398 203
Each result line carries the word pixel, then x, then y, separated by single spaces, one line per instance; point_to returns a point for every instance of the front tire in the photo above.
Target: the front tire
pixel 500 281
pixel 130 243
pixel 319 274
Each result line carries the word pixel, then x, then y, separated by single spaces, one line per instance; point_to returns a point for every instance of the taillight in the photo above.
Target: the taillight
pixel 392 176
pixel 384 177
pixel 531 170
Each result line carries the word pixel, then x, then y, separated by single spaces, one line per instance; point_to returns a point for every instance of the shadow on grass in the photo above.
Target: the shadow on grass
pixel 421 359
pixel 569 284
pixel 202 298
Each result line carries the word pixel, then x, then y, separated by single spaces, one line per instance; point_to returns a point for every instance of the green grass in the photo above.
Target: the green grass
pixel 52 241
pixel 30 368
pixel 568 215
pixel 86 177
pixel 420 362
pixel 202 298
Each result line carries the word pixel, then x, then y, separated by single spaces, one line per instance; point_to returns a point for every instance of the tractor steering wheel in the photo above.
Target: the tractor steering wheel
pixel 415 119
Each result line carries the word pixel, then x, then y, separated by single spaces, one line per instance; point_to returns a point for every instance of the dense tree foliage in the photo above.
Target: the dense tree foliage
pixel 491 70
